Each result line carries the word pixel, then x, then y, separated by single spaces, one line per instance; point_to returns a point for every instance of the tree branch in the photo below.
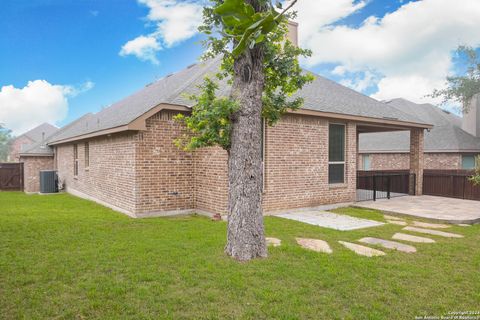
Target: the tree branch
pixel 285 10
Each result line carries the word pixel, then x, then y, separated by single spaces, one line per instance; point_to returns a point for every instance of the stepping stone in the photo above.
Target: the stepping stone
pixel 392 217
pixel 464 225
pixel 314 244
pixel 273 242
pixel 430 225
pixel 407 237
pixel 397 222
pixel 389 244
pixel 434 232
pixel 362 250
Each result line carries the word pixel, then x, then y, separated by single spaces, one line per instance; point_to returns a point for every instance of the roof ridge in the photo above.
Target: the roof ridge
pixel 177 92
pixel 67 126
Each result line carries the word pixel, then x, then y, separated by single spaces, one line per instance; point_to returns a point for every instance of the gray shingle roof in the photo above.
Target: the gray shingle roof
pixel 320 95
pixel 40 132
pixel 446 135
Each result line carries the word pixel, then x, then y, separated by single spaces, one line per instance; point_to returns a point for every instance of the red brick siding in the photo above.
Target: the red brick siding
pixel 16 147
pixel 211 180
pixel 111 174
pixel 31 171
pixel 296 166
pixel 401 161
pixel 164 174
pixel 146 173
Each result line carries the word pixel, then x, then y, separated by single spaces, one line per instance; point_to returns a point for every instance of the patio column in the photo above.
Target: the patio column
pixel 416 161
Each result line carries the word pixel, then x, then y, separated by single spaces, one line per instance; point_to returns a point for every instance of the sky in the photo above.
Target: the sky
pixel 60 59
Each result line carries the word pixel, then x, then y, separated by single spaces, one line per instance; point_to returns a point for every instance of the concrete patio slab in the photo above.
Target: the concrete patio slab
pixel 330 220
pixel 362 250
pixel 389 244
pixel 440 209
pixel 434 232
pixel 314 244
pixel 407 237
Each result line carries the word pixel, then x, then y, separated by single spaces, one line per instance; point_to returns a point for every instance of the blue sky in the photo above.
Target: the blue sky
pixel 75 47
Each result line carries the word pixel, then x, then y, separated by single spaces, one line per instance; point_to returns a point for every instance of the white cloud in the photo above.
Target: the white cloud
pixel 144 48
pixel 174 20
pixel 21 109
pixel 411 47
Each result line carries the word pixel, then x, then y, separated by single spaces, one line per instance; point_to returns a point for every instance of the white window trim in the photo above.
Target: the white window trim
pixel 344 162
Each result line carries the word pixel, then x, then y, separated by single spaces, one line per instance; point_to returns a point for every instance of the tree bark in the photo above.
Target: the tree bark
pixel 245 235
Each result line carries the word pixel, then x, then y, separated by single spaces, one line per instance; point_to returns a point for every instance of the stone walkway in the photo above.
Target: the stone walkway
pixel 330 220
pixel 450 210
pixel 344 222
pixel 362 250
pixel 314 244
pixel 389 244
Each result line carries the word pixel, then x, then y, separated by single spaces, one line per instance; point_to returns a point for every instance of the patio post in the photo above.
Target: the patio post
pixel 416 161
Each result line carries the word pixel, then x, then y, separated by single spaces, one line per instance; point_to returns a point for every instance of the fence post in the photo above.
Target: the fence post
pixel 388 186
pixel 374 188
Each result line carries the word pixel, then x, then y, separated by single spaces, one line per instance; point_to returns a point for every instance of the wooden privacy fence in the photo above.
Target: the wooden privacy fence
pixel 11 176
pixel 450 183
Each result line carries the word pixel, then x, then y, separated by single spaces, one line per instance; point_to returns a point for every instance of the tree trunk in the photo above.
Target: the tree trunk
pixel 245 236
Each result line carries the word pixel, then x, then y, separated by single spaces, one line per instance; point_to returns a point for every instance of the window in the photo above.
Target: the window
pixel 87 155
pixel 468 162
pixel 366 162
pixel 336 153
pixel 75 160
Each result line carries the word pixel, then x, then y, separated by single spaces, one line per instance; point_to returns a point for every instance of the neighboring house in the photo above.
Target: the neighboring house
pixel 453 143
pixel 26 140
pixel 124 156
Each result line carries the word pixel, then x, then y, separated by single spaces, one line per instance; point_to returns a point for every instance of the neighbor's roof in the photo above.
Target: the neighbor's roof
pixel 320 95
pixel 39 132
pixel 446 135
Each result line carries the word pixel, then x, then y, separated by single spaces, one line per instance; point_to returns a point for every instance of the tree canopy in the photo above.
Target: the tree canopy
pixel 5 139
pixel 461 88
pixel 232 26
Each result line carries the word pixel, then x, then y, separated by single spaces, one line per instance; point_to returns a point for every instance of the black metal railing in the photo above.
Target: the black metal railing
pixel 373 185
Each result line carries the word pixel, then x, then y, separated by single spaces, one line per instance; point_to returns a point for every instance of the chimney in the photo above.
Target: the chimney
pixel 293 32
pixel 471 118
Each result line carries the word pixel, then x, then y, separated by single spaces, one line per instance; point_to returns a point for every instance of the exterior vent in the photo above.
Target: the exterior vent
pixel 48 181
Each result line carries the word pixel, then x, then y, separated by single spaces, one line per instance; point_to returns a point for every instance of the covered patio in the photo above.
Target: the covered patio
pixel 373 185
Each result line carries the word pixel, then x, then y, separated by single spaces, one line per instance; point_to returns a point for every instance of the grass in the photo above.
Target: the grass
pixel 66 258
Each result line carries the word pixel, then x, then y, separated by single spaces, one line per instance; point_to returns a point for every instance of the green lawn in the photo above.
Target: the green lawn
pixel 66 258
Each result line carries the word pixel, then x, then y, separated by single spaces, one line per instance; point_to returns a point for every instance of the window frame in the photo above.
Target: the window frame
pixel 344 162
pixel 87 155
pixel 364 157
pixel 474 161
pixel 75 160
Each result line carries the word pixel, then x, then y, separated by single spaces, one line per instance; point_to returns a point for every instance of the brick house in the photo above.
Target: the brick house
pixel 29 138
pixel 124 156
pixel 453 143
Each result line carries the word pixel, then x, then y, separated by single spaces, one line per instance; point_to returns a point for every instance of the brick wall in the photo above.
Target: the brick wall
pixel 31 171
pixel 211 180
pixel 164 174
pixel 401 161
pixel 145 173
pixel 110 176
pixel 296 165
pixel 16 147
